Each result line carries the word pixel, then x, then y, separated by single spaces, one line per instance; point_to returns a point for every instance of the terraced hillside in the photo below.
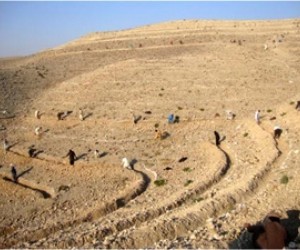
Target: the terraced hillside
pixel 184 191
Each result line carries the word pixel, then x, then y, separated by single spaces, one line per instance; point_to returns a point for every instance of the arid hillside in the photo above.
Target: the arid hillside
pixel 115 91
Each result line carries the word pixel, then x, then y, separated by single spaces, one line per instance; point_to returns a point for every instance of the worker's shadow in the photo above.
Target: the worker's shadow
pixel 20 174
pixel 24 172
pixel 132 163
pixel 82 156
pixel 87 115
pixel 292 223
pixel 103 154
pixel 12 145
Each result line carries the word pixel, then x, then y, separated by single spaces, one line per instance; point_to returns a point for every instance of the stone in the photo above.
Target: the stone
pixel 217 237
pixel 193 237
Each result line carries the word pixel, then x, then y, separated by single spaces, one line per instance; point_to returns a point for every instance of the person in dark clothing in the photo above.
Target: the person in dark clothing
pixel 298 106
pixel 31 152
pixel 217 138
pixel 269 234
pixel 72 157
pixel 60 115
pixel 277 132
pixel 5 145
pixel 14 173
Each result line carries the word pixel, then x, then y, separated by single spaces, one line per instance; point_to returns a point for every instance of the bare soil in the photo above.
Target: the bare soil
pixel 194 69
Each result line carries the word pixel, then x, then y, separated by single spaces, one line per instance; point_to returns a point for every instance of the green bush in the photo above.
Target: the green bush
pixel 198 199
pixel 188 182
pixel 284 179
pixel 160 182
pixel 187 169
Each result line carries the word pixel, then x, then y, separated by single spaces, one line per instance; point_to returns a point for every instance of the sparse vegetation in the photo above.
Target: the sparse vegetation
pixel 269 110
pixel 245 134
pixel 202 109
pixel 179 108
pixel 41 75
pixel 64 188
pixel 284 179
pixel 292 103
pixel 230 207
pixel 181 42
pixel 160 182
pixel 160 94
pixel 156 125
pixel 283 114
pixel 187 169
pixel 198 199
pixel 188 182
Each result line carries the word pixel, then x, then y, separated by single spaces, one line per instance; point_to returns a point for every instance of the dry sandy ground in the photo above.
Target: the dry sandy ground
pixel 194 69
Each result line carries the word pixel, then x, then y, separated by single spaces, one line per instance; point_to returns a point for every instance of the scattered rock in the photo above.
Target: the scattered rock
pixel 64 188
pixel 182 159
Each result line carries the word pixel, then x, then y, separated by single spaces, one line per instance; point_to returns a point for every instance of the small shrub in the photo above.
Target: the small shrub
pixel 171 42
pixel 202 109
pixel 181 42
pixel 156 125
pixel 198 199
pixel 284 179
pixel 269 110
pixel 292 103
pixel 179 108
pixel 283 114
pixel 160 94
pixel 187 169
pixel 188 182
pixel 140 45
pixel 160 182
pixel 230 207
pixel 41 75
pixel 246 134
pixel 64 188
pixel 157 153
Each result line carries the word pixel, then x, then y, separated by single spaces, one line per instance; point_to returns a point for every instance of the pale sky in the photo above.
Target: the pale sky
pixel 29 27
